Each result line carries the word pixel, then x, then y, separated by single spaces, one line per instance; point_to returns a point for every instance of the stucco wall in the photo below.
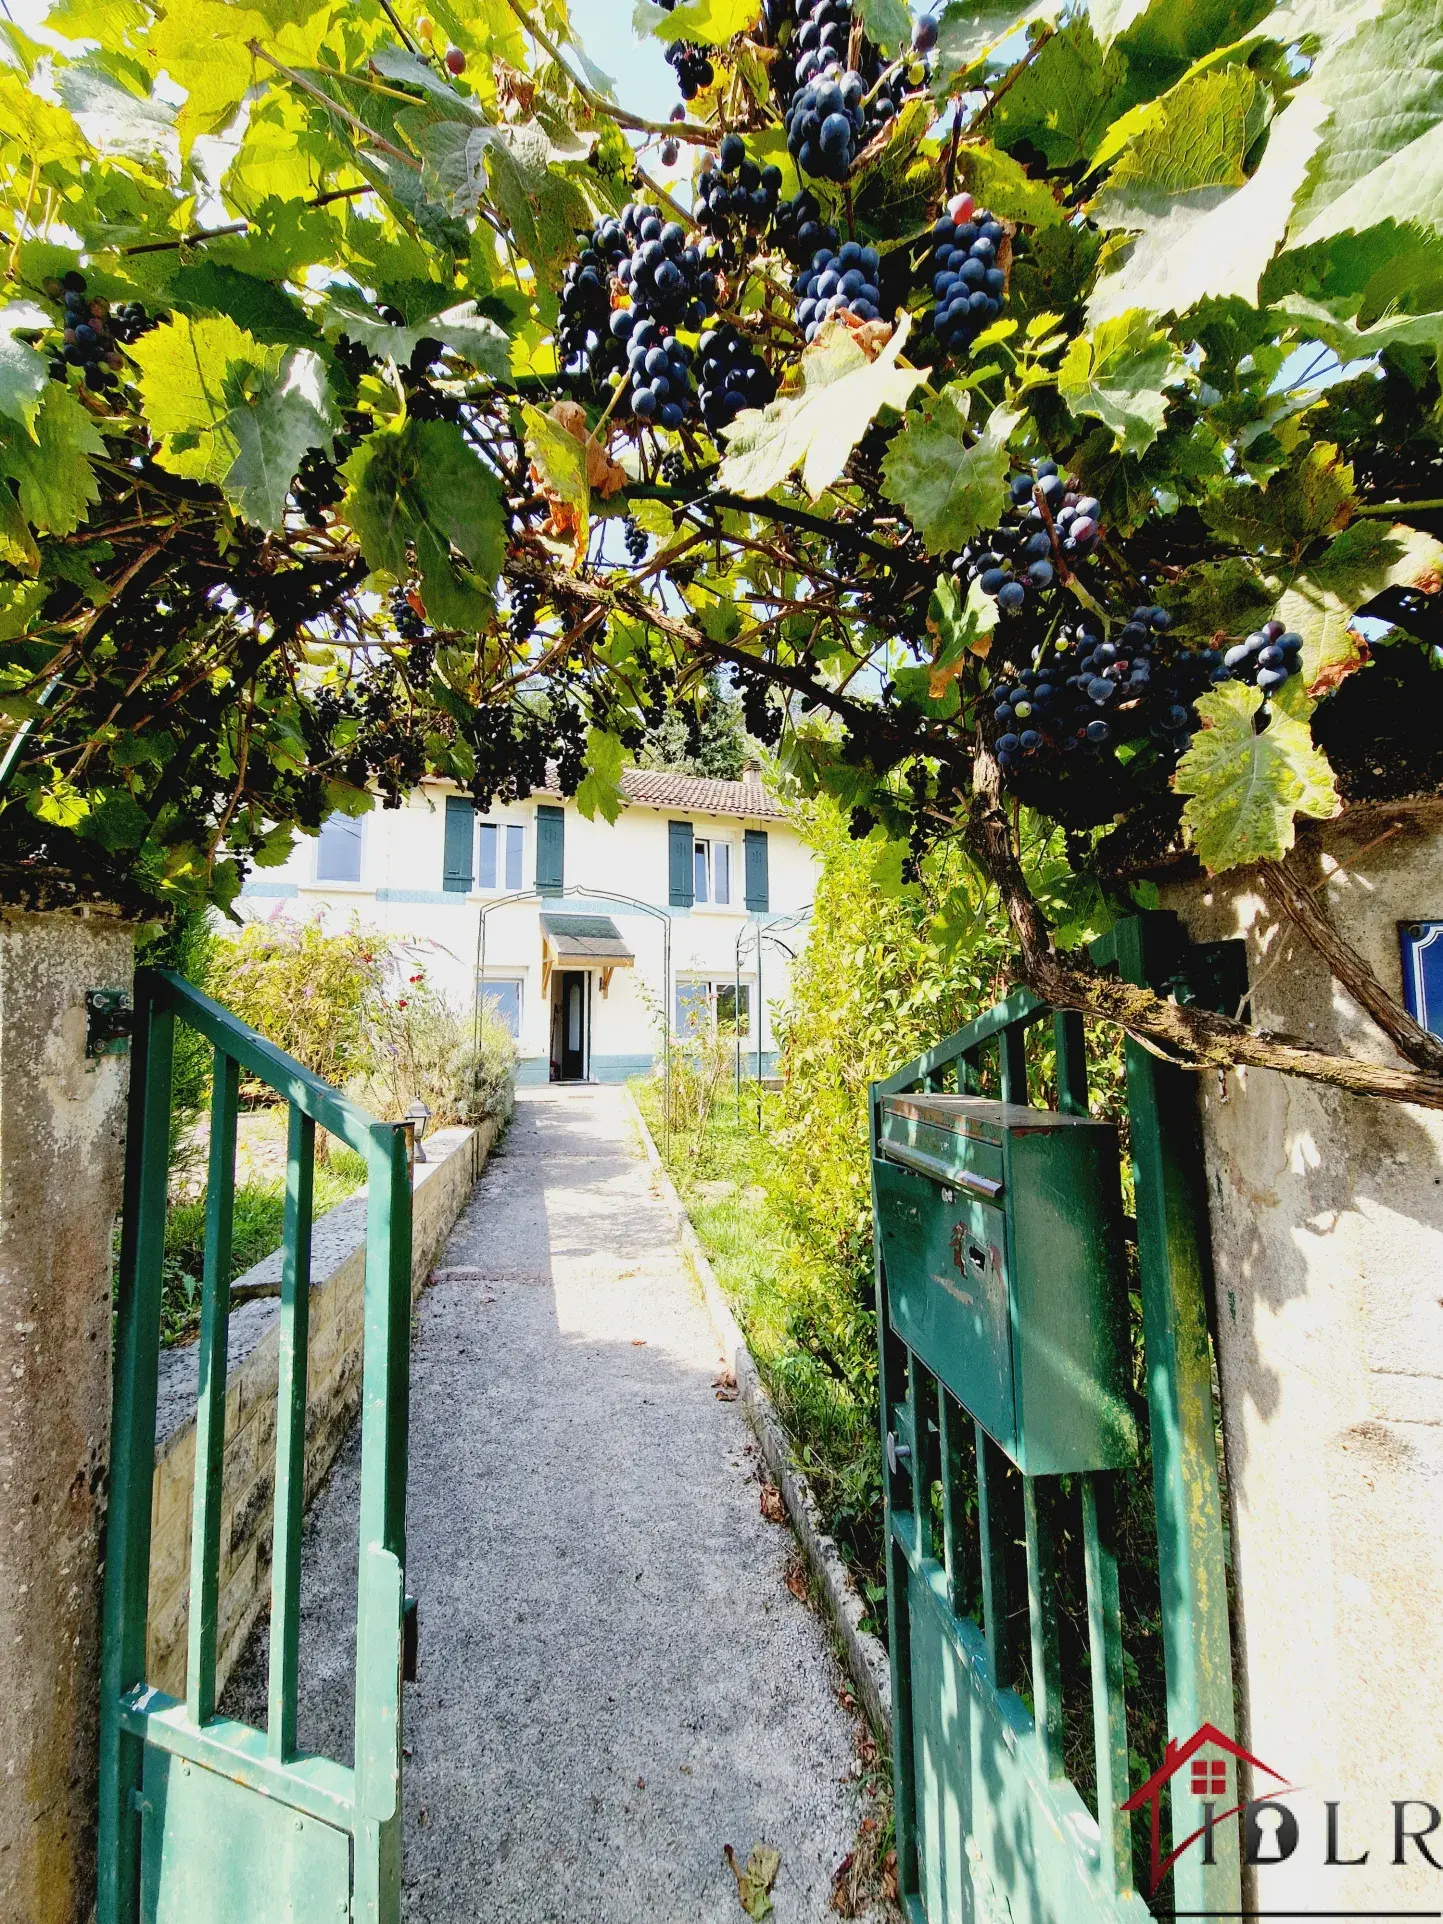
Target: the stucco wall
pixel 334 1352
pixel 400 893
pixel 62 1128
pixel 1327 1220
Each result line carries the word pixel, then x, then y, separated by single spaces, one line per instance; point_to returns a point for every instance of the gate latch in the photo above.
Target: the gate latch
pixel 109 1022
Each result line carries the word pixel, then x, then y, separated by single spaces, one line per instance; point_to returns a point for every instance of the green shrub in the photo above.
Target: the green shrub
pixel 419 1047
pixel 312 994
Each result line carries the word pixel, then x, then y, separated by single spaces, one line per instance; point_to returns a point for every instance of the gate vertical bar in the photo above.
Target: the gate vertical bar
pixel 381 1598
pixel 210 1398
pixel 1109 1711
pixel 1039 1513
pixel 290 1500
pixel 132 1448
pixel 1173 1256
pixel 996 1625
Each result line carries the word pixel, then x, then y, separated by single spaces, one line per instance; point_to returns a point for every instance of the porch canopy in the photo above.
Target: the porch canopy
pixel 583 941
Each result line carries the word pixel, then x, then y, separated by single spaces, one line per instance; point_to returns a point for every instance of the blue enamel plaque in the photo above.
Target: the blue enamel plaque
pixel 1422 944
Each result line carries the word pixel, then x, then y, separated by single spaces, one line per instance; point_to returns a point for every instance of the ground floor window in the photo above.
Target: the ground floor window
pixel 713 1004
pixel 501 995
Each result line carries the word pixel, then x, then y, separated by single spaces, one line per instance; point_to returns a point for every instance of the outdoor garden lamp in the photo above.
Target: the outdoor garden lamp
pixel 417 1120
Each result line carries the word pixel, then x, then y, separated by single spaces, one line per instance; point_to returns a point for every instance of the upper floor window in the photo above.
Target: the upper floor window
pixel 501 856
pixel 712 872
pixel 338 852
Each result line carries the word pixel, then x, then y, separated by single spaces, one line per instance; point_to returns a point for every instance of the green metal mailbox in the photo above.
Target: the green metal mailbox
pixel 1001 1232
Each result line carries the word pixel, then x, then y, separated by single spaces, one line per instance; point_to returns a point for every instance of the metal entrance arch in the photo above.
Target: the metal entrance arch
pixel 762 933
pixel 591 895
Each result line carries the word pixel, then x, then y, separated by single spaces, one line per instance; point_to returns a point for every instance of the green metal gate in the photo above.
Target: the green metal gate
pixel 204 1820
pixel 989 1827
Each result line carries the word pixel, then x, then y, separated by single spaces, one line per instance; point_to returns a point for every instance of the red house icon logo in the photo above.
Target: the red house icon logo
pixel 1208 1761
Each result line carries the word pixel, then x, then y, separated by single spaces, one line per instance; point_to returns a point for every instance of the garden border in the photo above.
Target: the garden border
pixel 865 1654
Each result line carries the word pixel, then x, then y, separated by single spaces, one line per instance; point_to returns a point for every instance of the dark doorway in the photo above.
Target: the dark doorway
pixel 572 1010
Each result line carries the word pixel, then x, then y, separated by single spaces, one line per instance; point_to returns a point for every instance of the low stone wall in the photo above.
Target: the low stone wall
pixel 338 1270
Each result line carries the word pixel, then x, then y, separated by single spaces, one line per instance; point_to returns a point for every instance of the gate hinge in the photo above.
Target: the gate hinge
pixel 109 1022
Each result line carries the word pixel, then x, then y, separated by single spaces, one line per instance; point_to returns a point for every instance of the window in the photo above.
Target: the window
pixel 712 872
pixel 338 854
pixel 501 997
pixel 501 857
pixel 702 1006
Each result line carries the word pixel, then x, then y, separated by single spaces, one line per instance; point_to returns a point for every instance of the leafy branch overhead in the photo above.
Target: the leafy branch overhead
pixel 1036 422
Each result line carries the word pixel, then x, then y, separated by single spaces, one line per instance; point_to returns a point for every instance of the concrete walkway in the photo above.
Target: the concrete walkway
pixel 614 1680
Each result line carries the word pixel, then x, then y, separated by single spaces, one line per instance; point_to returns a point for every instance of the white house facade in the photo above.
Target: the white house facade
pixel 583 936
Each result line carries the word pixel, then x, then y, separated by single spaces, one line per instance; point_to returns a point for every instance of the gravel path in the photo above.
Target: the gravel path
pixel 614 1680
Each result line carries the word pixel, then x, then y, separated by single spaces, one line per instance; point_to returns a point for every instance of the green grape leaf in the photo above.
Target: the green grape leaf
pixel 1321 603
pixel 115 819
pixel 472 335
pixel 192 374
pixel 272 433
pixel 967 32
pixel 708 23
pixel 1311 497
pixel 1382 154
pixel 559 458
pixel 20 603
pixel 24 374
pixel 116 121
pixel 1194 136
pixel 259 306
pixel 1063 100
pixel 1002 185
pixel 202 46
pixel 817 428
pixel 948 489
pixel 418 483
pixel 396 63
pixel 1119 374
pixel 51 464
pixel 512 167
pixel 17 544
pixel 886 23
pixel 600 790
pixel 1245 789
pixel 1208 243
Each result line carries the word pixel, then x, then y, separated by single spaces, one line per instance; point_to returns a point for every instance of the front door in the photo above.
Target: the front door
pixel 204 1820
pixel 573 1025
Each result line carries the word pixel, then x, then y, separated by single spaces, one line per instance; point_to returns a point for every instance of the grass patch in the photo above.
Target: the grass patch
pixel 815 1354
pixel 259 1219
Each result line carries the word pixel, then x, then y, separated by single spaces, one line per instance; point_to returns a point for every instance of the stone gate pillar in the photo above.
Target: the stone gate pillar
pixel 62 1128
pixel 1327 1224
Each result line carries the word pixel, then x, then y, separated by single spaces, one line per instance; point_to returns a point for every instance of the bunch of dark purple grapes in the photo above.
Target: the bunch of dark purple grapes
pixel 827 125
pixel 90 333
pixel 584 341
pixel 1088 689
pixel 844 282
pixel 799 230
pixel 659 368
pixel 822 37
pixel 966 281
pixel 737 192
pixel 408 624
pixel 667 278
pixel 1050 521
pixel 692 65
pixel 1267 658
pixel 733 377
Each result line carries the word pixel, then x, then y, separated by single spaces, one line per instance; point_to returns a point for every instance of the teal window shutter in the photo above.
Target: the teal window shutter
pixel 456 870
pixel 758 888
pixel 550 848
pixel 683 887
